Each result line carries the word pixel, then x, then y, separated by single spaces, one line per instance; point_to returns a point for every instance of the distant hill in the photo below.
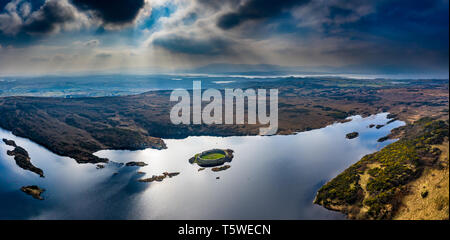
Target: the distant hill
pixel 269 69
pixel 257 69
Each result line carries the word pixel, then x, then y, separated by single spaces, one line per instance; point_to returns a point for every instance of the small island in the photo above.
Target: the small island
pixel 383 139
pixel 352 135
pixel 222 168
pixel 159 178
pixel 136 164
pixel 9 142
pixel 22 158
pixel 212 158
pixel 391 121
pixel 34 191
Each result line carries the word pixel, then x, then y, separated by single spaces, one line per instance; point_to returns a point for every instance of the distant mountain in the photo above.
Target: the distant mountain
pixel 268 69
pixel 258 69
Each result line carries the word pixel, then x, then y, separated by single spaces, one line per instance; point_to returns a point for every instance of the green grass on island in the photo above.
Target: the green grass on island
pixel 213 156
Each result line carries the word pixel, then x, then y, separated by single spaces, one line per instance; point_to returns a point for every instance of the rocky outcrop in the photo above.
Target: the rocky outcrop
pixel 391 121
pixel 9 142
pixel 159 178
pixel 352 135
pixel 34 191
pixel 23 159
pixel 136 164
pixel 383 139
pixel 222 168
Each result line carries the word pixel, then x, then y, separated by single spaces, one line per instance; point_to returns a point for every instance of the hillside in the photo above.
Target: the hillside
pixel 386 184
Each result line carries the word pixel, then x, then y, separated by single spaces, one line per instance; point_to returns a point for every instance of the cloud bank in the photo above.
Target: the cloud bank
pixel 385 35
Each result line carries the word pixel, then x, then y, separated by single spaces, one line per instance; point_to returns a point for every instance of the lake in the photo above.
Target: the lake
pixel 271 177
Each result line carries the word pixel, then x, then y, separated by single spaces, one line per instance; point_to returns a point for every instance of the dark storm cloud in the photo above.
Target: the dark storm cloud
pixel 3 4
pixel 255 10
pixel 418 28
pixel 336 12
pixel 217 4
pixel 403 33
pixel 20 18
pixel 422 23
pixel 188 45
pixel 49 17
pixel 116 12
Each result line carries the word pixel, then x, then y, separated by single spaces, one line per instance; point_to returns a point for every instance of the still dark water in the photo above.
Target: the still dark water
pixel 271 177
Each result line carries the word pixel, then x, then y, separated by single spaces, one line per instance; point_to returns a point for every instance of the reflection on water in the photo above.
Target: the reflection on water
pixel 271 177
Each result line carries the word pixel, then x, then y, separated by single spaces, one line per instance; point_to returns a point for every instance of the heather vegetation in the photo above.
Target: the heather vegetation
pixel 372 188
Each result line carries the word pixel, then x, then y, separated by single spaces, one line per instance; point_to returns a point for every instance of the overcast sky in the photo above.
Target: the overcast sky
pixel 65 36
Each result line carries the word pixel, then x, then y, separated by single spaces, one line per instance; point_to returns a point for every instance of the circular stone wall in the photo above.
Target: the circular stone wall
pixel 228 155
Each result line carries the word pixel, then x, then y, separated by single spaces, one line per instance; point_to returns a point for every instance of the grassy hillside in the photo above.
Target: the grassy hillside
pixel 428 196
pixel 374 187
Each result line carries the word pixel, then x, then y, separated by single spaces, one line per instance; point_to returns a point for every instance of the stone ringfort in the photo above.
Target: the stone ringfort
pixel 202 158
